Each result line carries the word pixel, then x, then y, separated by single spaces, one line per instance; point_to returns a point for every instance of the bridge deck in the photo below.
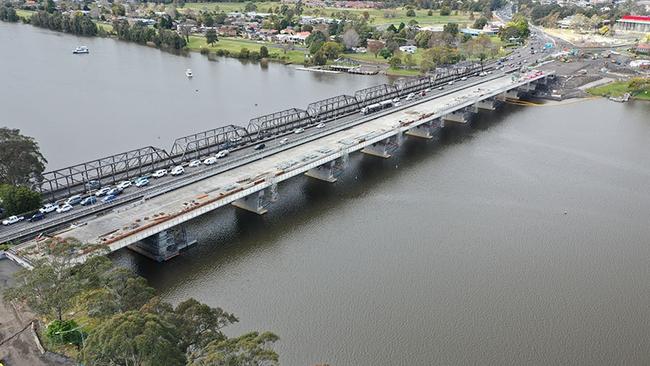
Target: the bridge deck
pixel 130 223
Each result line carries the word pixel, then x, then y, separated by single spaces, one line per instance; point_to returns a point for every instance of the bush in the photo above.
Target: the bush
pixel 429 13
pixel 410 13
pixel 264 52
pixel 62 332
pixel 244 53
pixel 204 50
pixel 445 11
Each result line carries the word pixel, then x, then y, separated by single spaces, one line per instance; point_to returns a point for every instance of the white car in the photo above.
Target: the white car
pixel 395 100
pixel 194 163
pixel 299 130
pixel 463 78
pixel 124 184
pixel 209 161
pixel 222 154
pixel 178 170
pixel 410 96
pixel 49 207
pixel 12 220
pixel 64 208
pixel 102 191
pixel 141 182
pixel 283 141
pixel 159 173
pixel 321 125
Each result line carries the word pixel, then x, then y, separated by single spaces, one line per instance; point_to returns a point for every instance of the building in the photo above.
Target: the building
pixel 408 49
pixel 634 23
pixel 643 48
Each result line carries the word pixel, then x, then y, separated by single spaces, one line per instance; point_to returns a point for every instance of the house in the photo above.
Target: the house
pixel 408 49
pixel 643 48
pixel 634 23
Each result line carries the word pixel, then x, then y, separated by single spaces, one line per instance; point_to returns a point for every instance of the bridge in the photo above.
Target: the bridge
pixel 150 221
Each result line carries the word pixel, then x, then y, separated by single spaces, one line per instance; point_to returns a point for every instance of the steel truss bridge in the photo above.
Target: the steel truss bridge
pixel 71 180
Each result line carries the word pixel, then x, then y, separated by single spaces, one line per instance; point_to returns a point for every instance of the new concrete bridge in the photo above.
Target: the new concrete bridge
pixel 152 223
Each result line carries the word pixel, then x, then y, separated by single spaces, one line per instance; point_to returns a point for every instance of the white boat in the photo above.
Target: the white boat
pixel 188 73
pixel 80 50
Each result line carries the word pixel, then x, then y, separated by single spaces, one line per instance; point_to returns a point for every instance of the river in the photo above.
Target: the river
pixel 521 239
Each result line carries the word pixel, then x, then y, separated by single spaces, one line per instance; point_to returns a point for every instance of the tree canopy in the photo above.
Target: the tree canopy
pixel 20 158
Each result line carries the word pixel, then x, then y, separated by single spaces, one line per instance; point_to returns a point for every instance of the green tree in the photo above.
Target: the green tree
pixel 250 6
pixel 20 158
pixel 50 7
pixel 410 13
pixel 18 199
pixel 249 349
pixel 211 36
pixel 118 10
pixel 134 338
pixel 451 28
pixel 445 11
pixel 332 50
pixel 64 332
pixel 385 53
pixel 264 52
pixel 480 23
pixel 198 324
pixel 395 62
pixel 319 58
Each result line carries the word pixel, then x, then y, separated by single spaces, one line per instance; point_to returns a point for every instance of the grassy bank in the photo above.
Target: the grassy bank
pixel 618 88
pixel 234 45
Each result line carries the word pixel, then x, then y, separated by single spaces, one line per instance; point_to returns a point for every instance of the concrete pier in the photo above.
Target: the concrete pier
pixel 459 116
pixel 426 130
pixel 382 149
pixel 512 94
pixel 164 245
pixel 253 203
pixel 326 172
pixel 487 104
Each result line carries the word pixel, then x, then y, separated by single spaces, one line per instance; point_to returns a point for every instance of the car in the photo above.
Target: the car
pixel 92 185
pixel 321 125
pixel 12 220
pixel 114 192
pixel 260 147
pixel 124 184
pixel 90 200
pixel 209 161
pixel 109 198
pixel 48 207
pixel 141 182
pixel 427 90
pixel 410 96
pixel 222 154
pixel 463 78
pixel 450 83
pixel 177 170
pixel 36 217
pixel 73 200
pixel 441 88
pixel 395 100
pixel 298 130
pixel 159 173
pixel 482 73
pixel 235 139
pixel 283 141
pixel 65 208
pixel 194 163
pixel 102 191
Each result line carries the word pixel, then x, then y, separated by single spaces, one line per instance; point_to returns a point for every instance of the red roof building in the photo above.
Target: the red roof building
pixel 634 23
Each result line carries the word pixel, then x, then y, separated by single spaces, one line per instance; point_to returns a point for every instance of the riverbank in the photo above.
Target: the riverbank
pixel 637 88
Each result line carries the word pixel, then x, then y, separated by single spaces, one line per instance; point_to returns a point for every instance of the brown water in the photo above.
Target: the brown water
pixel 455 251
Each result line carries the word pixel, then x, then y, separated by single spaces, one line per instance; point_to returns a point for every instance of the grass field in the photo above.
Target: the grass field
pixel 234 45
pixel 24 13
pixel 617 89
pixel 376 15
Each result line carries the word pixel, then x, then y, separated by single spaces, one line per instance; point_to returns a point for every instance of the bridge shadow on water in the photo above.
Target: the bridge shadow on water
pixel 229 235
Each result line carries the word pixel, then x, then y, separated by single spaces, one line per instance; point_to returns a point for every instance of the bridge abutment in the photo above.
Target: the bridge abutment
pixel 163 245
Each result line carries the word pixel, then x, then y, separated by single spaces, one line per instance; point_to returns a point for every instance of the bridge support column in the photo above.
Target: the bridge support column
pixel 254 203
pixel 163 245
pixel 328 172
pixel 486 104
pixel 459 116
pixel 383 148
pixel 512 94
pixel 426 130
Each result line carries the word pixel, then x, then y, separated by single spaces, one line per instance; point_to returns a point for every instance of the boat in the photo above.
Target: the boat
pixel 80 50
pixel 621 99
pixel 188 73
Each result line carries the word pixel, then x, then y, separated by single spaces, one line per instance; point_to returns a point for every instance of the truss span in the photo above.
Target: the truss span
pixel 210 141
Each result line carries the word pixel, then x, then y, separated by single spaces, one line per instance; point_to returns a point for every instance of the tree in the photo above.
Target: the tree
pixel 331 50
pixel 64 332
pixel 50 7
pixel 410 13
pixel 134 338
pixel 445 11
pixel 118 10
pixel 250 6
pixel 409 61
pixel 451 28
pixel 18 199
pixel 198 324
pixel 350 38
pixel 264 52
pixel 249 349
pixel 211 36
pixel 20 158
pixel 319 58
pixel 315 37
pixel 480 23
pixel 375 46
pixel 385 53
pixel 395 62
